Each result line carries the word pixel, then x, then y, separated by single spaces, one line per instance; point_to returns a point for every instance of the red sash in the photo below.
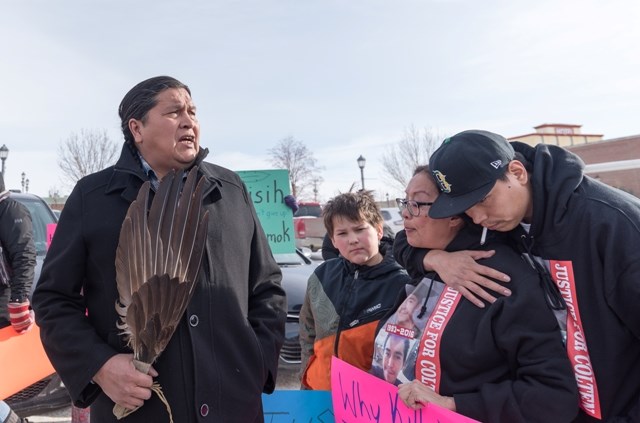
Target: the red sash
pixel 428 361
pixel 562 274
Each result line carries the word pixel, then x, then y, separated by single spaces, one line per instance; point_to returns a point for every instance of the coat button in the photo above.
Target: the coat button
pixel 193 320
pixel 204 410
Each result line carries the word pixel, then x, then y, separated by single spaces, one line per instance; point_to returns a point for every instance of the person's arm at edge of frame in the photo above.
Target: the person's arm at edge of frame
pixel 267 303
pixel 458 269
pixel 21 251
pixel 70 341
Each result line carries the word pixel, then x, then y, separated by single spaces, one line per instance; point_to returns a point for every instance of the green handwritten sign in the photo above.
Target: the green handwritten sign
pixel 268 189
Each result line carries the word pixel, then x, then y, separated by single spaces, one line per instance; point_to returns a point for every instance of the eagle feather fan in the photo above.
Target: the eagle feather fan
pixel 157 262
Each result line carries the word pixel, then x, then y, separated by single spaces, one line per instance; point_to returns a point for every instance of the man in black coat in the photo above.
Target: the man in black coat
pixel 224 352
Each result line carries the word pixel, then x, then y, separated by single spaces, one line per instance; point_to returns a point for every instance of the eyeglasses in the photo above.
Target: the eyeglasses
pixel 412 206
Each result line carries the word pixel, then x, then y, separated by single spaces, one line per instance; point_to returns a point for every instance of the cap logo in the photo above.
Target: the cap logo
pixel 496 164
pixel 442 181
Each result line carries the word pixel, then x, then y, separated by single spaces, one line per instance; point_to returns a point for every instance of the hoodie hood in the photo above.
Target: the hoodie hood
pixel 556 175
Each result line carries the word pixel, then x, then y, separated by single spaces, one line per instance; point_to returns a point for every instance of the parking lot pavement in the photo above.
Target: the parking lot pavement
pixel 62 415
pixel 288 378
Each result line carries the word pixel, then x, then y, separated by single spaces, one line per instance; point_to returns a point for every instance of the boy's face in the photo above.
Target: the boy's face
pixel 357 241
pixel 507 204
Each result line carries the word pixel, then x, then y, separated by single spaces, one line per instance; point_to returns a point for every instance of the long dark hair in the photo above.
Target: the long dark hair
pixel 142 98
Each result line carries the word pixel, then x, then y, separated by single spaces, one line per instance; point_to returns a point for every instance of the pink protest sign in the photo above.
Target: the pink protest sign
pixel 51 228
pixel 361 397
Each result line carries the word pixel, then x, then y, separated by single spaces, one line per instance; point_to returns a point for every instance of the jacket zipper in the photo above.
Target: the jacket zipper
pixel 345 301
pixel 551 293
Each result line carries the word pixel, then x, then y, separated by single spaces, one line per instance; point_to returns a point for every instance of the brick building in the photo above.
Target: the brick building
pixel 615 161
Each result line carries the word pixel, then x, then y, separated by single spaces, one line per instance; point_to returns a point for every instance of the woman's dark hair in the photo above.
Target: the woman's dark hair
pixel 142 98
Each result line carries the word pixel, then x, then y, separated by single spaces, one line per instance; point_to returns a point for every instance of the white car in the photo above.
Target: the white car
pixel 392 218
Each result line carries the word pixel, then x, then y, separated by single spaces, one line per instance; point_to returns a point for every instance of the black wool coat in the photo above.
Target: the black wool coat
pixel 224 353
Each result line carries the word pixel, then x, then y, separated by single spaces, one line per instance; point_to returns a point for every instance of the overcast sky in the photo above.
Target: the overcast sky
pixel 345 77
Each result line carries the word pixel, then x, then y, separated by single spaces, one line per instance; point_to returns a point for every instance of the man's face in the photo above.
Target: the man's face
pixel 506 205
pixel 169 136
pixel 356 241
pixel 405 311
pixel 393 359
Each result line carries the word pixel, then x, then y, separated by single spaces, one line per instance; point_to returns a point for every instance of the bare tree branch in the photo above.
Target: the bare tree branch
pixel 411 151
pixel 293 155
pixel 81 155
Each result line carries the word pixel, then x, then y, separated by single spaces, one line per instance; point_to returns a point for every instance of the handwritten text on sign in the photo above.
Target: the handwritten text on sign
pixel 268 189
pixel 361 397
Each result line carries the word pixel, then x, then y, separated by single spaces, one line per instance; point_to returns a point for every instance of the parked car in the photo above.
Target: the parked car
pixel 308 226
pixel 311 209
pixel 296 269
pixel 392 218
pixel 48 393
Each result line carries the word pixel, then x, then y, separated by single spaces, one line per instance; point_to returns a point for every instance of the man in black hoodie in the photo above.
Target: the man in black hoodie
pixel 582 234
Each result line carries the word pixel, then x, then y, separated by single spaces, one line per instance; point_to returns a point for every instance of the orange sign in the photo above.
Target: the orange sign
pixel 23 361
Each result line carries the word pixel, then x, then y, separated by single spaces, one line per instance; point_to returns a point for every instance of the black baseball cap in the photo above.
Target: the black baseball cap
pixel 466 167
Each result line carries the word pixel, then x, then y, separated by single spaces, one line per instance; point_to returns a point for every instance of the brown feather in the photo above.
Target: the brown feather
pixel 157 261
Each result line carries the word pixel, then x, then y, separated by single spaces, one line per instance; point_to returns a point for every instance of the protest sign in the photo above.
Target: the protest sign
pixel 297 406
pixel 268 189
pixel 361 397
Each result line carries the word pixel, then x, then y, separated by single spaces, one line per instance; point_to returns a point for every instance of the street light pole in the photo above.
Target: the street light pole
pixel 4 153
pixel 361 162
pixel 315 189
pixel 22 182
pixel 26 185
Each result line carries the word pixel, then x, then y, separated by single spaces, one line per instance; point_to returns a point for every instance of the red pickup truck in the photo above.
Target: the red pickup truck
pixel 309 226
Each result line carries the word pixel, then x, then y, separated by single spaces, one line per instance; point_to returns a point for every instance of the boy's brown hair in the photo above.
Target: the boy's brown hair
pixel 355 206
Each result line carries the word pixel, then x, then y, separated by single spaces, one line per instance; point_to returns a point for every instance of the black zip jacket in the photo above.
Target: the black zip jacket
pixel 340 314
pixel 16 236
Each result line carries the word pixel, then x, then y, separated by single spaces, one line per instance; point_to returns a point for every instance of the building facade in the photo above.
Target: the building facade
pixel 615 161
